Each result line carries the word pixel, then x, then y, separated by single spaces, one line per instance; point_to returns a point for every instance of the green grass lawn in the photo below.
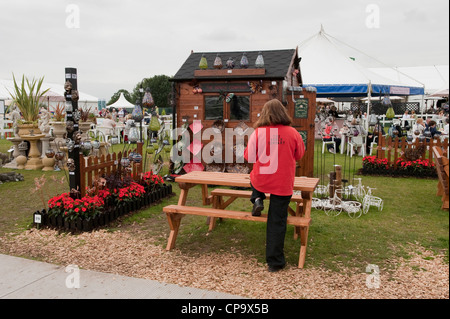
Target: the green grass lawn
pixel 411 214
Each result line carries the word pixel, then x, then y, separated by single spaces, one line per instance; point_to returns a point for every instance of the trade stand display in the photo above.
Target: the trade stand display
pixel 227 90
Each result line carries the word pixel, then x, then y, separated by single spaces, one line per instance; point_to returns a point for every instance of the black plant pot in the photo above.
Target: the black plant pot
pixel 150 198
pixel 66 224
pixel 44 218
pixel 88 224
pixel 79 224
pixel 99 220
pixel 73 226
pixel 59 222
pixel 138 203
pixel 52 221
pixel 106 218
pixel 112 215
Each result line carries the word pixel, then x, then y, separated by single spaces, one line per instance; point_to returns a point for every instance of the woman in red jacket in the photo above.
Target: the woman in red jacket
pixel 274 148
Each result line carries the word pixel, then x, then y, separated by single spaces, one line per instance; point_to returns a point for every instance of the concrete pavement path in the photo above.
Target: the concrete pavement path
pixel 22 278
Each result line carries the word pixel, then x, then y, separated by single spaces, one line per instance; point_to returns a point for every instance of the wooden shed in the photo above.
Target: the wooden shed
pixel 218 92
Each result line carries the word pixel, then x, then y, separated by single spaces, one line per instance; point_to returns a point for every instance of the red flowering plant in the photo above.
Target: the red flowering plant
pixel 152 181
pixel 419 166
pixel 374 163
pixel 70 209
pixel 129 193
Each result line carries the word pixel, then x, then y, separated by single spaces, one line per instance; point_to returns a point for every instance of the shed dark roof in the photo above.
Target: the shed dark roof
pixel 276 62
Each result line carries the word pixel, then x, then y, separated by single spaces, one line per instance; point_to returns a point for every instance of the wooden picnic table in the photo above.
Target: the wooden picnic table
pixel 300 218
pixel 304 184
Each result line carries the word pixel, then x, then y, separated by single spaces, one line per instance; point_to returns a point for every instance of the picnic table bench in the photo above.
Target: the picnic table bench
pixel 442 170
pixel 300 217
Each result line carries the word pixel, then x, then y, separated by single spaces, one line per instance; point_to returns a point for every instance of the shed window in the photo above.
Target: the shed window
pixel 213 108
pixel 240 108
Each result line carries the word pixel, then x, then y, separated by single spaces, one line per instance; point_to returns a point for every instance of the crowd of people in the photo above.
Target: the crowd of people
pixel 112 118
pixel 410 123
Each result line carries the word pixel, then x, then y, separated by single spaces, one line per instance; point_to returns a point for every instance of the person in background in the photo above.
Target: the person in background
pixel 446 126
pixel 333 112
pixel 121 115
pixel 405 119
pixel 114 115
pixel 432 128
pixel 418 128
pixel 128 122
pixel 274 148
pixel 109 123
pixel 329 134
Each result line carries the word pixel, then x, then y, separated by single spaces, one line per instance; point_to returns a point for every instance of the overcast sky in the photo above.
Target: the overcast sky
pixel 115 44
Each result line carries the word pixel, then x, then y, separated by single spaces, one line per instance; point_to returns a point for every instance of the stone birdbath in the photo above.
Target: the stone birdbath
pixel 34 161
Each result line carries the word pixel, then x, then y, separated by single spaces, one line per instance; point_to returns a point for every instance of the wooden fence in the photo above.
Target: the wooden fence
pixel 93 167
pixel 394 148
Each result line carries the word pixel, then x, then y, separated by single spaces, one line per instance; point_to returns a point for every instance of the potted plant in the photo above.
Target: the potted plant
pixel 84 124
pixel 58 124
pixel 27 101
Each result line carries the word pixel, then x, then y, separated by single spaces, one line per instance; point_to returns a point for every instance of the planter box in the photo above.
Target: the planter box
pixel 111 212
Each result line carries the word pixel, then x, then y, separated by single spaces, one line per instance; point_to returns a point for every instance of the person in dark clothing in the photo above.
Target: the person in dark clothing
pixel 431 126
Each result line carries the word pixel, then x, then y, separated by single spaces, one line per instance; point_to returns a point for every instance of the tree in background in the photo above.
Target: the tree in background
pixel 116 96
pixel 160 88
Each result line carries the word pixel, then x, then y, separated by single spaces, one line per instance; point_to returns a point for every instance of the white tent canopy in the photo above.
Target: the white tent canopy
pixel 440 93
pixel 326 66
pixel 122 102
pixel 54 96
pixel 434 77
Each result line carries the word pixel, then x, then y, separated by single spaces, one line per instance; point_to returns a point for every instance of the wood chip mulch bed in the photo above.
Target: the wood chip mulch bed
pixel 422 276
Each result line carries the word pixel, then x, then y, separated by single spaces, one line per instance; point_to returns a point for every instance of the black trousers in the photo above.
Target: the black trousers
pixel 276 227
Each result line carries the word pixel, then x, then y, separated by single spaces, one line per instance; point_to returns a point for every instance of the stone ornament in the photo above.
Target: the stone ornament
pixel 77 137
pixel 68 86
pixel 70 126
pixel 71 164
pixel 75 95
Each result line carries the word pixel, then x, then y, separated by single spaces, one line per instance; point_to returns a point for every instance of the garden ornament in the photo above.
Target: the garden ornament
pixel 71 164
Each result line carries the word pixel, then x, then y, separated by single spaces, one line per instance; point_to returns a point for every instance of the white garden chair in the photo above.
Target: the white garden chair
pixel 332 142
pixel 354 143
pixel 370 200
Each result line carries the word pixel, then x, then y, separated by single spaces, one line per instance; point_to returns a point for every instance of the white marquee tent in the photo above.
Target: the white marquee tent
pixel 123 103
pixel 433 77
pixel 326 66
pixel 54 96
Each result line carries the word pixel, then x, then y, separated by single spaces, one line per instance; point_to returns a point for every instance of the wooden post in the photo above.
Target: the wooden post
pixel 332 186
pixel 338 178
